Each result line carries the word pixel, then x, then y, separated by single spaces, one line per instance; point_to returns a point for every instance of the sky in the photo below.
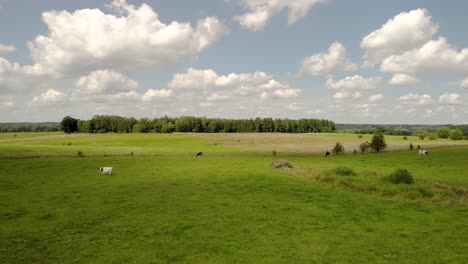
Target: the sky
pixel 362 61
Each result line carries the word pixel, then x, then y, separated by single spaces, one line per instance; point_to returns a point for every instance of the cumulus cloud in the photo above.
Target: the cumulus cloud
pixel 88 39
pixel 416 99
pixel 450 99
pixel 323 64
pixel 6 49
pixel 355 82
pixel 376 98
pixel 403 80
pixel 105 82
pixel 153 94
pixel 262 10
pixel 406 31
pixel 464 83
pixel 434 57
pixel 48 97
pixel 233 84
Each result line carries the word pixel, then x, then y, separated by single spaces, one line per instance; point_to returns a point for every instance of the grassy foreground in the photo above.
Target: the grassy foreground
pixel 220 209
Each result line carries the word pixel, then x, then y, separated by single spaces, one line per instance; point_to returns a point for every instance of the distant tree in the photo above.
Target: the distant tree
pixel 69 124
pixel 422 134
pixel 338 149
pixel 443 132
pixel 378 142
pixel 456 134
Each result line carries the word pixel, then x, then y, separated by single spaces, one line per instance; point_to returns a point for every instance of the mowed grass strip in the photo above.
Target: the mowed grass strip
pixel 210 210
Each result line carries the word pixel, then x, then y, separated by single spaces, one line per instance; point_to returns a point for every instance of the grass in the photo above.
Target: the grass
pixel 221 209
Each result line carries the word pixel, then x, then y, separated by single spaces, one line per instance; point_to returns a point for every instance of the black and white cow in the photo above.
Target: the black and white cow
pixel 327 154
pixel 423 152
pixel 199 154
pixel 106 170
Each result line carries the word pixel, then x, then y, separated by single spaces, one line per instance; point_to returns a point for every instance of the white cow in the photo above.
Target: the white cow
pixel 423 152
pixel 105 170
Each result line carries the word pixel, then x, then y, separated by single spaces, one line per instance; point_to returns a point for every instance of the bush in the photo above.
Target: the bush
pixel 338 149
pixel 405 138
pixel 80 154
pixel 456 134
pixel 432 137
pixel 411 147
pixel 443 132
pixel 273 152
pixel 359 136
pixel 344 171
pixel 400 176
pixel 364 147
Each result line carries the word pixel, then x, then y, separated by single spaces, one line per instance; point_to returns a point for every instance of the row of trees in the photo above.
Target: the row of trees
pixel 454 132
pixel 118 124
pixel 29 127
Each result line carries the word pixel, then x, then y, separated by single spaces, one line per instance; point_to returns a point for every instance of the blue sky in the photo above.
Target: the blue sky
pixel 349 61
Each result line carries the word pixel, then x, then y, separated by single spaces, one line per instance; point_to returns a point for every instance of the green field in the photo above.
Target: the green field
pixel 164 205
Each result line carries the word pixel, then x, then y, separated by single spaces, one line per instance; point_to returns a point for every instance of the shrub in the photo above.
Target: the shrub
pixel 405 138
pixel 359 136
pixel 131 153
pixel 432 137
pixel 274 152
pixel 364 147
pixel 354 151
pixel 411 147
pixel 443 132
pixel 80 154
pixel 466 137
pixel 338 149
pixel 344 171
pixel 69 143
pixel 456 134
pixel 419 147
pixel 400 176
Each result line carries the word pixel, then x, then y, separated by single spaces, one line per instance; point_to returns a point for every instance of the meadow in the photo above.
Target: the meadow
pixel 164 205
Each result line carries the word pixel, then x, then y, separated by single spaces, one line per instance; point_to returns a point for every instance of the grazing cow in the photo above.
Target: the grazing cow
pixel 327 154
pixel 105 170
pixel 423 152
pixel 199 154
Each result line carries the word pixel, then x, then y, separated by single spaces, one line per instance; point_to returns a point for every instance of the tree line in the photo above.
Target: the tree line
pixel 118 124
pixel 29 127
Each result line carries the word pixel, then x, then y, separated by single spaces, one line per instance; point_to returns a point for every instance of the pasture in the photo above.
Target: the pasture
pixel 164 205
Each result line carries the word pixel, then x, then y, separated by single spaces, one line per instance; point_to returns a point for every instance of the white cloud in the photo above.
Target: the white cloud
pixel 6 49
pixel 286 93
pixel 323 64
pixel 153 94
pixel 376 98
pixel 464 83
pixel 403 80
pixel 450 99
pixel 50 96
pixel 105 82
pixel 232 84
pixel 416 99
pixel 434 57
pixel 406 31
pixel 262 10
pixel 355 82
pixel 295 107
pixel 88 39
